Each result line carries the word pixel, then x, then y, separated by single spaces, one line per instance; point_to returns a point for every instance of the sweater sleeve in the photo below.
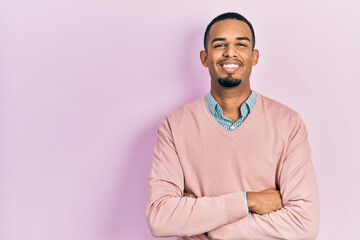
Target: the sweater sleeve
pixel 168 212
pixel 299 218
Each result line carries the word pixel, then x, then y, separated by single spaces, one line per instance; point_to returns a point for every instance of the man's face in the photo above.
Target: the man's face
pixel 230 56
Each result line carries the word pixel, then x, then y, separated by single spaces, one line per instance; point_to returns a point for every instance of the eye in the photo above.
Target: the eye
pixel 241 44
pixel 219 45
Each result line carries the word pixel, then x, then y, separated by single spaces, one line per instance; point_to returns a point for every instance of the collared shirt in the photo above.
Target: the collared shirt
pixel 225 122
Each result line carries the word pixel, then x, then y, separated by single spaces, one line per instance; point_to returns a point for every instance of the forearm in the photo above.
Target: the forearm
pixel 298 219
pixel 185 216
pixel 291 222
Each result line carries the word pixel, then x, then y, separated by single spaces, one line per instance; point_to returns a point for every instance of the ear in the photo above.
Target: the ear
pixel 204 58
pixel 255 57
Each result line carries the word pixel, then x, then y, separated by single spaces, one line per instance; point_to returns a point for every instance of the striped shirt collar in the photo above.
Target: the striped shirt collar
pixel 212 104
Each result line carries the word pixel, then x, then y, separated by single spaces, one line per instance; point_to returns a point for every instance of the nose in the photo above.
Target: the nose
pixel 230 51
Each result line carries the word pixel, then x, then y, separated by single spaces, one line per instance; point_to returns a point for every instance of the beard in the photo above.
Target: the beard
pixel 229 82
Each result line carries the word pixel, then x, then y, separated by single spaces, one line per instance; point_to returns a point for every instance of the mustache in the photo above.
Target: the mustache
pixel 230 60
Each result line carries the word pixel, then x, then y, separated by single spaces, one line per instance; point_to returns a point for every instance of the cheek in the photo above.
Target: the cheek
pixel 214 56
pixel 212 63
pixel 248 56
pixel 248 61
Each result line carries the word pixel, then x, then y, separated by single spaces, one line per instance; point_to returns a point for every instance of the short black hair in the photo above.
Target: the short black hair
pixel 228 15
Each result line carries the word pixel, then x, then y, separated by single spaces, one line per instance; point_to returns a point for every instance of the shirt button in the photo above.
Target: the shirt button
pixel 232 127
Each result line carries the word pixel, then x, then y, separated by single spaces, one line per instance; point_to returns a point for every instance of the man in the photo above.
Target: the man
pixel 233 164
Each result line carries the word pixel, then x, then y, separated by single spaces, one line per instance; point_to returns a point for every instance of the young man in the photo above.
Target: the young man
pixel 233 164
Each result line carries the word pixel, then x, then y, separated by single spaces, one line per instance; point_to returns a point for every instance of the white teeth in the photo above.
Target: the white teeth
pixel 231 65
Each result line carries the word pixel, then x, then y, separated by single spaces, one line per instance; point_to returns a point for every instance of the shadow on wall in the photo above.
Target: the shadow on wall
pixel 133 184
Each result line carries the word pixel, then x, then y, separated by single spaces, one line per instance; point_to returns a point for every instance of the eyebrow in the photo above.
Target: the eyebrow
pixel 218 39
pixel 223 39
pixel 243 38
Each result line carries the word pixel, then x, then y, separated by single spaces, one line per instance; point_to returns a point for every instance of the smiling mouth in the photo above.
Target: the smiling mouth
pixel 230 66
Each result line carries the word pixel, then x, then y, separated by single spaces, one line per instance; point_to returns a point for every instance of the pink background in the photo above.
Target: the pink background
pixel 85 84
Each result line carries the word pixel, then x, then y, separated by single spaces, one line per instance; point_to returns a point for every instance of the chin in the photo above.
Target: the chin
pixel 229 82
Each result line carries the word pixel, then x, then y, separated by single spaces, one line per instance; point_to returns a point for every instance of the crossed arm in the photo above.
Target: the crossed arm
pixel 171 212
pixel 263 202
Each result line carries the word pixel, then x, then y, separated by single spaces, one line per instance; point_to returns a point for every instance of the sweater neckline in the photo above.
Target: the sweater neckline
pixel 233 133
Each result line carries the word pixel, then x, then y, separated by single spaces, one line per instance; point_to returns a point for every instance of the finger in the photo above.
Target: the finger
pixel 189 195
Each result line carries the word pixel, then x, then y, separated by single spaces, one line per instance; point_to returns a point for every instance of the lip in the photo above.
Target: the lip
pixel 230 66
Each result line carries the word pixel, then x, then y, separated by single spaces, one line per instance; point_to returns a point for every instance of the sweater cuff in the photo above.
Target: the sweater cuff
pixel 236 206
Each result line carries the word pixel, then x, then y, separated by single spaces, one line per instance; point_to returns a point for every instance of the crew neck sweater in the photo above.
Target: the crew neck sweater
pixel 195 154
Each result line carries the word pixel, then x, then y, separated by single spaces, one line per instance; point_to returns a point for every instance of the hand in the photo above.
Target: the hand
pixel 189 195
pixel 263 202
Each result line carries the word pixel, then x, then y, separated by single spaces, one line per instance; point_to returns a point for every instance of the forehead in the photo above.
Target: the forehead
pixel 230 28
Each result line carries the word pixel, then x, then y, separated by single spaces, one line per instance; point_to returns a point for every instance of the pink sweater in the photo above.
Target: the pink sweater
pixel 195 154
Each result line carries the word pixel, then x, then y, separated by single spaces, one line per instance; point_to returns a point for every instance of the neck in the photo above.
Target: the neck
pixel 230 100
